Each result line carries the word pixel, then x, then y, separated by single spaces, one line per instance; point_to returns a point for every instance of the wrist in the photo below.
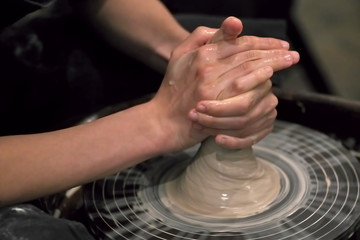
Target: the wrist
pixel 161 131
pixel 165 49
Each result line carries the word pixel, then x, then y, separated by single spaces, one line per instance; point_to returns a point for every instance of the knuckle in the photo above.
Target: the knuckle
pixel 268 84
pixel 245 67
pixel 251 54
pixel 200 30
pixel 273 114
pixel 236 143
pixel 207 121
pixel 205 52
pixel 274 101
pixel 239 86
pixel 215 109
pixel 203 71
pixel 241 123
pixel 202 52
pixel 203 63
pixel 260 76
pixel 268 41
pixel 247 42
pixel 244 106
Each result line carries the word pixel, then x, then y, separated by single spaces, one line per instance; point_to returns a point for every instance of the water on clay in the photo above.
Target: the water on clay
pixel 222 183
pixel 287 178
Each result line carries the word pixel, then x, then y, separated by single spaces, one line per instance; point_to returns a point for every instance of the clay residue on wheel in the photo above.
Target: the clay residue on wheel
pixel 223 183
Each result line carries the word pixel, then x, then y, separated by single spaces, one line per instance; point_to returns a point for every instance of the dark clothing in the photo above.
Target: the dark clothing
pixel 28 222
pixel 56 71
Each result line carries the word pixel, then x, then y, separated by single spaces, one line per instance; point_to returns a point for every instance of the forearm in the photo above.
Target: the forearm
pixel 36 165
pixel 130 25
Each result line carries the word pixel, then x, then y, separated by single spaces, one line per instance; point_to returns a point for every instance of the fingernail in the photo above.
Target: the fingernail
pixel 193 115
pixel 295 55
pixel 288 57
pixel 221 140
pixel 285 44
pixel 201 108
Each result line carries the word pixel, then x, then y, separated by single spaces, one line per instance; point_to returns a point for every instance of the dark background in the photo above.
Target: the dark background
pixel 55 71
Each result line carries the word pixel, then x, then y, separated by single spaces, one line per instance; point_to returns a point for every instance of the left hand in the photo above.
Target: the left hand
pixel 244 111
pixel 200 72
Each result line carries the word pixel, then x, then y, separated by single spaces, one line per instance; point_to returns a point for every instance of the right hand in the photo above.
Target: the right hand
pixel 210 66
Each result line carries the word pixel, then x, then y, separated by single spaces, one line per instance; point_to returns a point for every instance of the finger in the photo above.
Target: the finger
pixel 244 63
pixel 243 133
pixel 262 112
pixel 255 126
pixel 232 87
pixel 238 105
pixel 250 60
pixel 231 142
pixel 233 69
pixel 199 37
pixel 230 29
pixel 265 123
pixel 246 43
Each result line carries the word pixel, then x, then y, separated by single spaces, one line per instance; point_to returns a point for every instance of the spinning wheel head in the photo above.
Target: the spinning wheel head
pixel 319 196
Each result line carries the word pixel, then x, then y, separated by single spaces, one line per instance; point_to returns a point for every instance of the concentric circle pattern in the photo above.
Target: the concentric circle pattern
pixel 319 197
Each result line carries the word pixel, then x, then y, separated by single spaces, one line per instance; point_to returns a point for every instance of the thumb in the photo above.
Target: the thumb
pixel 230 29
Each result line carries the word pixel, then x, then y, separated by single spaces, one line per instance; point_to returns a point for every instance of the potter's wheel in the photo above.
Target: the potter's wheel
pixel 319 197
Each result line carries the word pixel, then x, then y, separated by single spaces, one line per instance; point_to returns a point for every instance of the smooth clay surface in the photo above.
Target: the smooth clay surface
pixel 223 183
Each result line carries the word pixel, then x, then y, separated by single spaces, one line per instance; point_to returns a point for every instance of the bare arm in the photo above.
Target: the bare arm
pixel 35 165
pixel 144 29
pixel 40 164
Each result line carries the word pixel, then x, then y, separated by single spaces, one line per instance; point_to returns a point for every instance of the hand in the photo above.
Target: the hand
pixel 246 112
pixel 240 121
pixel 204 69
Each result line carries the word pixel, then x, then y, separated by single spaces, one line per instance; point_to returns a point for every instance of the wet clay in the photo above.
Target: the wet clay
pixel 224 183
